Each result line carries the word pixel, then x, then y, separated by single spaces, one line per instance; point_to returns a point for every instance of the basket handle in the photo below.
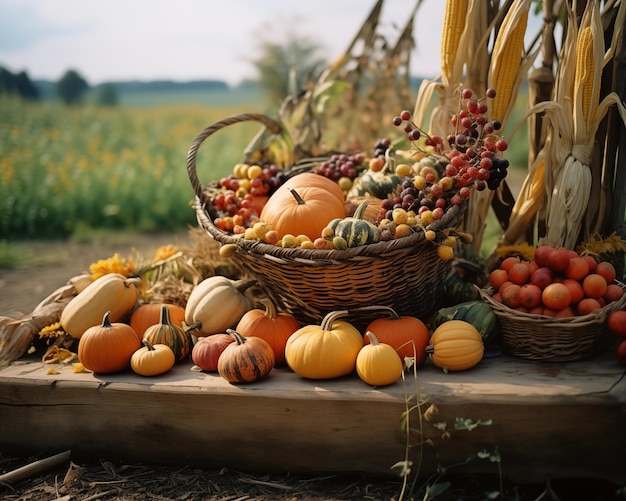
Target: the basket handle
pixel 192 172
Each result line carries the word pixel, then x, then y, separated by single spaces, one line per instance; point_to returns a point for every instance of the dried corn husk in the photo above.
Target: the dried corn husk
pixel 16 335
pixel 572 187
pixel 463 31
pixel 568 133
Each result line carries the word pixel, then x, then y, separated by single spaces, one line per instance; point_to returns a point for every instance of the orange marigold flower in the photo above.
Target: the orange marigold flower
pixel 113 264
pixel 164 252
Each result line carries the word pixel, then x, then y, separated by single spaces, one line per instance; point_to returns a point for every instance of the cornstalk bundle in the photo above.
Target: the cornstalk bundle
pixel 371 76
pixel 508 68
pixel 560 179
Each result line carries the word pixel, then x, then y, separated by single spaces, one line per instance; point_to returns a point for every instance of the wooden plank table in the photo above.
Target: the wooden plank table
pixel 547 420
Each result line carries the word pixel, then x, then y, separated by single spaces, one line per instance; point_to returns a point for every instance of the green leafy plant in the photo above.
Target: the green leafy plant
pixel 417 413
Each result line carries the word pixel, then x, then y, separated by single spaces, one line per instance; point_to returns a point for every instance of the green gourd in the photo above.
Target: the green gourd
pixel 380 183
pixel 356 230
pixel 477 313
pixel 174 336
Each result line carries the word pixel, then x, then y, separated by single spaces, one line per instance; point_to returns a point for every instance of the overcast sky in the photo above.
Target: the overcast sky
pixel 190 39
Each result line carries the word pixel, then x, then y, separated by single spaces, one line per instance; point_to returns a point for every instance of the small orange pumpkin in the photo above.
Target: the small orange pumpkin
pixel 207 350
pixel 270 325
pixel 305 211
pixel 107 348
pixel 456 345
pixel 152 360
pixel 149 314
pixel 408 335
pixel 247 360
pixel 377 363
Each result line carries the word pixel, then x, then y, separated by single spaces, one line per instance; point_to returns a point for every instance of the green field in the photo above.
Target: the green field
pixel 66 171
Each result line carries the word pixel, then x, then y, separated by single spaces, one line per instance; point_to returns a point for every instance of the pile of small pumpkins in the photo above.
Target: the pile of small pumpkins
pixel 222 330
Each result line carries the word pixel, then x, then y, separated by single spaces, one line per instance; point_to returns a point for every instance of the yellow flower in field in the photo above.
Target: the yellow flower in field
pixel 6 167
pixel 164 252
pixel 113 264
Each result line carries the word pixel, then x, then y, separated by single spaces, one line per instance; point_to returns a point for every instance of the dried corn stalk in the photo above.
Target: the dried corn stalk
pixel 541 80
pixel 537 186
pixel 508 68
pixel 460 19
pixel 572 187
pixel 350 105
pixel 453 57
pixel 559 123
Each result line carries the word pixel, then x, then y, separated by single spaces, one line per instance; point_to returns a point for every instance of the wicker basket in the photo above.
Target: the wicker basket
pixel 543 338
pixel 405 274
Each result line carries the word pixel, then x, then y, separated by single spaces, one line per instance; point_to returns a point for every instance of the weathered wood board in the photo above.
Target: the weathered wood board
pixel 547 420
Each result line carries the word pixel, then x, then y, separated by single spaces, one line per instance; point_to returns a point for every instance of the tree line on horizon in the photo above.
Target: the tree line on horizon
pixel 281 69
pixel 70 88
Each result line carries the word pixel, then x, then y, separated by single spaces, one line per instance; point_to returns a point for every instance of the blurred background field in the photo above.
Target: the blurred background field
pixel 68 171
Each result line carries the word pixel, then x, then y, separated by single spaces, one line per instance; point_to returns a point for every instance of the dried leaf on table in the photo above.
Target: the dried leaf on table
pixel 57 355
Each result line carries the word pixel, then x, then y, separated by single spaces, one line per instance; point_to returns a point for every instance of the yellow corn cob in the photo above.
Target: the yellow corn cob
pixel 584 75
pixel 454 20
pixel 531 197
pixel 508 52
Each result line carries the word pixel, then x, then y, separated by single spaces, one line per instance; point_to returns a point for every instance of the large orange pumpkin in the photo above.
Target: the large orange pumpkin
pixel 324 351
pixel 149 314
pixel 270 325
pixel 301 211
pixel 408 335
pixel 312 180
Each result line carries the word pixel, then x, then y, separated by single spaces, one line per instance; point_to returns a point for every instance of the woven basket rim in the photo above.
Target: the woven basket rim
pixel 593 318
pixel 450 219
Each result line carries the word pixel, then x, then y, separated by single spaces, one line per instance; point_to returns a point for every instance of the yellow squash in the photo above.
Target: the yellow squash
pixel 216 304
pixel 377 363
pixel 111 292
pixel 456 345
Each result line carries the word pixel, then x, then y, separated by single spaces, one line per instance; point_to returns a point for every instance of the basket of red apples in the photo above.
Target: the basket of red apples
pixel 555 306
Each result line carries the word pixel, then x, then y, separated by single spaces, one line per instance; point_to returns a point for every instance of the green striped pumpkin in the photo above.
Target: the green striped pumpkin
pixel 165 332
pixel 356 230
pixel 378 184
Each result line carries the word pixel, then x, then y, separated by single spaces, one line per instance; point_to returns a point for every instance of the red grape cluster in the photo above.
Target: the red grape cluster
pixel 381 146
pixel 341 165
